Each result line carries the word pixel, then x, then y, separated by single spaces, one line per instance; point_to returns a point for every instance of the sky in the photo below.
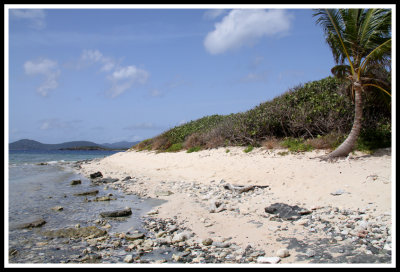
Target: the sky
pixel 127 74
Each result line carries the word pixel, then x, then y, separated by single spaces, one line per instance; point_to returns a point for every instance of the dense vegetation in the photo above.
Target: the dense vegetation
pixel 318 114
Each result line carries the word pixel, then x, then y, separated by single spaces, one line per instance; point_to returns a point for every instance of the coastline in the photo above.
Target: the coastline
pixel 347 203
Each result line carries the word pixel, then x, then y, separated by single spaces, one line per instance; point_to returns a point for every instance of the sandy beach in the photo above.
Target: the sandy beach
pixel 343 202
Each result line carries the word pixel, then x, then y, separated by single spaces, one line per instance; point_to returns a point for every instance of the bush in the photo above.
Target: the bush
pixel 194 149
pixel 248 149
pixel 174 148
pixel 296 145
pixel 319 114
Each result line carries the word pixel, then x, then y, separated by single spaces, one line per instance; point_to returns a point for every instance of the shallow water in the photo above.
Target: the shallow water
pixel 34 189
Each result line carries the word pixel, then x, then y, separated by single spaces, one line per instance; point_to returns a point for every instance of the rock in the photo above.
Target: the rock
pixel 310 253
pixel 107 180
pixel 93 192
pixel 286 211
pixel 133 237
pixel 128 259
pixel 338 192
pixel 96 175
pixel 57 208
pixel 117 213
pixel 76 232
pixel 152 212
pixel 207 241
pixel 283 253
pixel 182 236
pixel 76 182
pixel 270 260
pixel 163 193
pixel 103 198
pixel 32 224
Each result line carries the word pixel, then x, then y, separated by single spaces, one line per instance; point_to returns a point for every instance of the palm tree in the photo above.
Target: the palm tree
pixel 360 40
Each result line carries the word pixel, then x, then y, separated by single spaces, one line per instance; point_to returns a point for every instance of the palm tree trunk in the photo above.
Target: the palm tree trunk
pixel 347 146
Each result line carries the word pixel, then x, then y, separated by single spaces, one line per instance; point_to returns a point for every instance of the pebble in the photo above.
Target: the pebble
pixel 270 260
pixel 283 253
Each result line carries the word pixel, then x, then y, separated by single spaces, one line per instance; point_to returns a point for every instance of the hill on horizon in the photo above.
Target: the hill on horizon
pixel 27 144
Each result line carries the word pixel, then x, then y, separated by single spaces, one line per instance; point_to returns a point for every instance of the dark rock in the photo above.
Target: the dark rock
pixel 286 211
pixel 93 192
pixel 96 175
pixel 76 182
pixel 32 224
pixel 117 213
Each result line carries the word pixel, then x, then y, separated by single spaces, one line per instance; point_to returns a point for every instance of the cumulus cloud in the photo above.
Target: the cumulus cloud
pixel 245 27
pixel 35 17
pixel 95 56
pixel 48 69
pixel 124 78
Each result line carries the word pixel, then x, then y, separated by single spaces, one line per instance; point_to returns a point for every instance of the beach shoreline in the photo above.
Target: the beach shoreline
pixel 222 196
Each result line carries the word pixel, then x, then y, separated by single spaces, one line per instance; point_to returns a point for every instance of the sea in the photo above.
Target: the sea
pixel 40 180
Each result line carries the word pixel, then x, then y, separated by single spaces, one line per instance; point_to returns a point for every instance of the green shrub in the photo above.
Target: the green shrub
pixel 174 148
pixel 194 149
pixel 248 149
pixel 319 114
pixel 296 145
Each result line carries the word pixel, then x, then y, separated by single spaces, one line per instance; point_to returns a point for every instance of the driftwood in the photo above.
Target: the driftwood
pixel 241 189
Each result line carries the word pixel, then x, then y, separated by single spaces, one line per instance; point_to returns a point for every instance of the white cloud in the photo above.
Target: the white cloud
pixel 212 14
pixel 124 78
pixel 95 56
pixel 35 17
pixel 245 27
pixel 48 69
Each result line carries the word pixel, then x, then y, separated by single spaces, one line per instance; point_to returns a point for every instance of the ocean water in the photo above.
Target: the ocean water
pixel 39 181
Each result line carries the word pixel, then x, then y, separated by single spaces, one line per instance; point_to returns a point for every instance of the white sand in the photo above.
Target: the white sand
pixel 294 179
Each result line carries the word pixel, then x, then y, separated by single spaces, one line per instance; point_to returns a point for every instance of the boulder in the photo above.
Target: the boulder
pixel 32 224
pixel 96 175
pixel 286 211
pixel 117 213
pixel 76 182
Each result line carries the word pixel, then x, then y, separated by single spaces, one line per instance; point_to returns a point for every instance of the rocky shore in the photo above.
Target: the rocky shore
pixel 222 223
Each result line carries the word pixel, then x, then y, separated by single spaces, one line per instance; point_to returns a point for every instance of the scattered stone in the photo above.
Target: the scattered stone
pixel 133 237
pixel 57 208
pixel 310 252
pixel 286 211
pixel 207 241
pixel 163 193
pixel 93 192
pixel 104 198
pixel 270 260
pixel 128 259
pixel 117 213
pixel 32 224
pixel 75 232
pixel 96 175
pixel 76 182
pixel 338 192
pixel 283 253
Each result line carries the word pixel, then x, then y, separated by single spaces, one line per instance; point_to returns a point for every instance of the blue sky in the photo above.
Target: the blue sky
pixel 108 75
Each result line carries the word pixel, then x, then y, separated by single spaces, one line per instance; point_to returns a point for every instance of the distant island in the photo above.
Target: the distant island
pixel 26 144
